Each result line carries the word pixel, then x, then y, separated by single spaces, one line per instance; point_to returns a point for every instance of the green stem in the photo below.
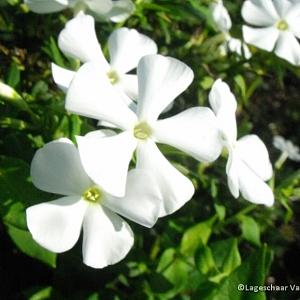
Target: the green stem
pixel 281 160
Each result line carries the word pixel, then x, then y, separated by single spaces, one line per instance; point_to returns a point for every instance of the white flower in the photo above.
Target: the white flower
pixel 234 45
pixel 116 11
pixel 277 27
pixel 56 225
pixel 237 46
pixel 223 22
pixel 221 16
pixel 248 164
pixel 126 47
pixel 161 79
pixel 287 147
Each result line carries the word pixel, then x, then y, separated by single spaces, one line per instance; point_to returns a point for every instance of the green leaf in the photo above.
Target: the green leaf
pixel 250 230
pixel 44 293
pixel 240 82
pixel 26 244
pixel 227 257
pixel 93 296
pixel 53 51
pixel 159 284
pixel 13 76
pixel 196 235
pixel 16 191
pixel 218 260
pixel 175 269
pixel 250 273
pixel 204 260
pixel 221 211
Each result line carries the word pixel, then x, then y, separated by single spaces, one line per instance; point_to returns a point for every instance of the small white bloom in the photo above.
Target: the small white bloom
pixel 237 46
pixel 221 16
pixel 277 27
pixel 161 79
pixel 116 11
pixel 287 147
pixel 248 164
pixel 223 22
pixel 56 225
pixel 126 47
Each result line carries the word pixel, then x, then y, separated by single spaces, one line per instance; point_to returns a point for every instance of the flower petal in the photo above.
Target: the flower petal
pixel 121 10
pixel 56 225
pixel 253 188
pixel 260 12
pixel 294 25
pixel 46 6
pixel 280 143
pixel 232 174
pixel 220 97
pixel 194 131
pixel 161 80
pixel 99 7
pixel 106 160
pixel 62 77
pixel 288 47
pixel 264 38
pixel 221 16
pixel 142 200
pixel 56 168
pixel 224 105
pixel 282 7
pixel 92 95
pixel 293 19
pixel 175 188
pixel 127 47
pixel 129 84
pixel 98 134
pixel 78 39
pixel 254 154
pixel 238 47
pixel 107 238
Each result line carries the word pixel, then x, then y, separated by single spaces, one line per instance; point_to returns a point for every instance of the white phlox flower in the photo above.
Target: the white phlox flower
pixel 286 147
pixel 277 26
pixel 223 22
pixel 126 47
pixel 220 16
pixel 234 45
pixel 56 225
pixel 194 131
pixel 248 164
pixel 116 11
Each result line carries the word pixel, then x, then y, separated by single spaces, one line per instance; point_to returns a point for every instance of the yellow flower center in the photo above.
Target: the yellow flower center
pixel 282 25
pixel 142 131
pixel 113 76
pixel 93 194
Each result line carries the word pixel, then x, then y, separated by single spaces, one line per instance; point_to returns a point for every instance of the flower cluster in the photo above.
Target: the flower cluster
pixel 114 10
pixel 277 26
pixel 100 178
pixel 223 22
pixel 274 26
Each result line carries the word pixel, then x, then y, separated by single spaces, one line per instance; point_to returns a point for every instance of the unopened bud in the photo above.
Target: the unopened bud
pixel 8 92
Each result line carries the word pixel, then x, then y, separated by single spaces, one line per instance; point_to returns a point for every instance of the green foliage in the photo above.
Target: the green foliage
pixel 196 235
pixel 212 244
pixel 17 193
pixel 25 243
pixel 250 230
pixel 251 273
